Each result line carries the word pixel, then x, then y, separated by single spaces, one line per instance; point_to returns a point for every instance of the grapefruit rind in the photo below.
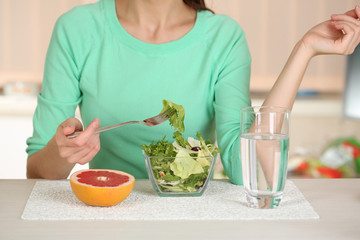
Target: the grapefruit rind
pixel 101 196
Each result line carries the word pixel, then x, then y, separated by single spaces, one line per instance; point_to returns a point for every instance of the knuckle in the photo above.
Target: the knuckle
pixel 60 144
pixel 343 50
pixel 349 51
pixel 86 158
pixel 89 145
pixel 72 161
pixel 98 147
pixel 83 162
pixel 73 158
pixel 78 142
pixel 64 154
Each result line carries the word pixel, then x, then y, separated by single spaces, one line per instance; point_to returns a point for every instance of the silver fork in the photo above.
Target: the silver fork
pixel 153 121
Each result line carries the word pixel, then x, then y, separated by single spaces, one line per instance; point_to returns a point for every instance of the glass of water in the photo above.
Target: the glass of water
pixel 264 144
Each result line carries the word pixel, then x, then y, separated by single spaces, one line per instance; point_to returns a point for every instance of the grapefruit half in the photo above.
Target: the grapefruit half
pixel 101 187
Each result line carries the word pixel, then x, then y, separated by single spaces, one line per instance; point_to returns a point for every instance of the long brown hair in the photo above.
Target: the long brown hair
pixel 198 5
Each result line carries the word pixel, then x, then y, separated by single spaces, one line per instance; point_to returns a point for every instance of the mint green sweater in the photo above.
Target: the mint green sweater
pixel 94 63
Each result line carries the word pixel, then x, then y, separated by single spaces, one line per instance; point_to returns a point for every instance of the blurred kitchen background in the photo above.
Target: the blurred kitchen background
pixel 272 28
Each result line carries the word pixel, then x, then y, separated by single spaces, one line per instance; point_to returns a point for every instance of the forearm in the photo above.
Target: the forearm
pixel 47 163
pixel 284 91
pixel 282 94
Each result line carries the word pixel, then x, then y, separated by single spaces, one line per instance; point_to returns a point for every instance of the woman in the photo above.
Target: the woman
pixel 118 59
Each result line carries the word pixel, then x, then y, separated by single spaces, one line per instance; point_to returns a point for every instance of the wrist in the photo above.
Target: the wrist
pixel 60 166
pixel 304 50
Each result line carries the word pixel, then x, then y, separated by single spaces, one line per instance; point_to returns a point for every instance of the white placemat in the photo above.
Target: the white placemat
pixel 54 200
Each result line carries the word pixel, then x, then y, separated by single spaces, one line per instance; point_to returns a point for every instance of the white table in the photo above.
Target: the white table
pixel 337 201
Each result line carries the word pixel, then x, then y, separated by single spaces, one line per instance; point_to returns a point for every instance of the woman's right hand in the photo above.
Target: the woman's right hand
pixel 83 147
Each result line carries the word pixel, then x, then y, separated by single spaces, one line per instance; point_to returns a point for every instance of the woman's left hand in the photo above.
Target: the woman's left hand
pixel 340 35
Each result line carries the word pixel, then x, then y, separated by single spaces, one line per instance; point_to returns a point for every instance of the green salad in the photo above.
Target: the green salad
pixel 182 165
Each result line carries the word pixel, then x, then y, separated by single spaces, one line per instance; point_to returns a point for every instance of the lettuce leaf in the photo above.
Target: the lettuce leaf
pixel 202 159
pixel 184 165
pixel 180 140
pixel 162 149
pixel 177 119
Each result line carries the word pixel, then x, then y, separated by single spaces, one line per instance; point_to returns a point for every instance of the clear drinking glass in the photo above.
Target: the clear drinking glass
pixel 264 144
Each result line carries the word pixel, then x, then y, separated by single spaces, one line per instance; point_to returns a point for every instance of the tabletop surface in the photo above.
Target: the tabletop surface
pixel 337 201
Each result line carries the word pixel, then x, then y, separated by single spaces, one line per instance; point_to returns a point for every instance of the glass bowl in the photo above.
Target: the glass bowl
pixel 179 176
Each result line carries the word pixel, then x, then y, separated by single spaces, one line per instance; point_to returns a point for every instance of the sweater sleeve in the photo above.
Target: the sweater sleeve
pixel 231 94
pixel 60 93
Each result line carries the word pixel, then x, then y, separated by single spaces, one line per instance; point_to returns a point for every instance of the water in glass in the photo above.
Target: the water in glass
pixel 264 165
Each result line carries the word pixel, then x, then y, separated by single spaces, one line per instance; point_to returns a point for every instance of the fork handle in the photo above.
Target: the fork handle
pixel 99 130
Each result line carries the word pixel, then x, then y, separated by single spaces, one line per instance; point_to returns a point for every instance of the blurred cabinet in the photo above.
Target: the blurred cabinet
pixel 25 31
pixel 273 27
